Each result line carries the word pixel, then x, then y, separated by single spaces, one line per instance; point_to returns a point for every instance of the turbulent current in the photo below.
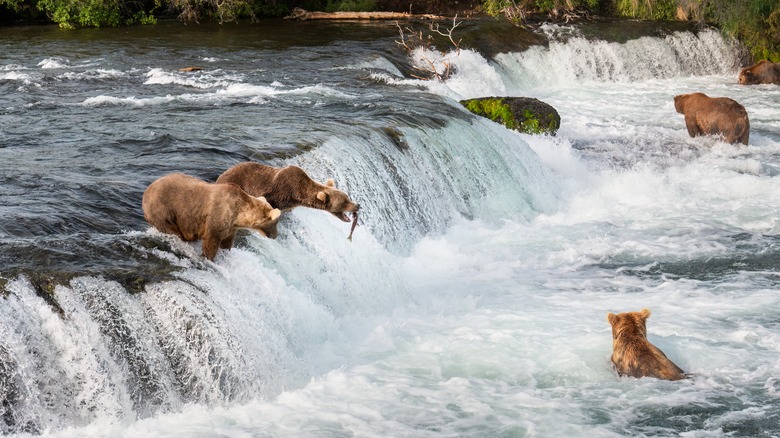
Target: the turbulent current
pixel 472 299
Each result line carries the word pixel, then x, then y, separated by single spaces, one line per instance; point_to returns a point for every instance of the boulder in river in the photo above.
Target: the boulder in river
pixel 523 114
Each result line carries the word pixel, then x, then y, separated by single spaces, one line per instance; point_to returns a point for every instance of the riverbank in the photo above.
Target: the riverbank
pixel 755 24
pixel 461 8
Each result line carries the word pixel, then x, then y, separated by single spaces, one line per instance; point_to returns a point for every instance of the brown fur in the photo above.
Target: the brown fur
pixel 763 72
pixel 289 187
pixel 194 209
pixel 632 354
pixel 706 115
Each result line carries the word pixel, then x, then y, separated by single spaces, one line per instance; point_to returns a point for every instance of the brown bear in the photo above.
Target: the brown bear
pixel 632 354
pixel 706 115
pixel 288 187
pixel 194 209
pixel 763 72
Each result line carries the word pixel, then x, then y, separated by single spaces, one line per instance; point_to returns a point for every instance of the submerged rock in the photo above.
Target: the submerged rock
pixel 523 114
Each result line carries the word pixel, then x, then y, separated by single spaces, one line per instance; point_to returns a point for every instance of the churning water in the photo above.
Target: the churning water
pixel 472 299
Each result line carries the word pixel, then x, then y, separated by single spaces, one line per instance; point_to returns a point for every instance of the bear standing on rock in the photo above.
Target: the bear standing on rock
pixel 763 72
pixel 289 187
pixel 194 209
pixel 632 354
pixel 706 115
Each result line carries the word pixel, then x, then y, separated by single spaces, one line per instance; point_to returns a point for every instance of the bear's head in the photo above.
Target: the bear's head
pixel 336 201
pixel 261 217
pixel 749 76
pixel 746 77
pixel 679 102
pixel 629 324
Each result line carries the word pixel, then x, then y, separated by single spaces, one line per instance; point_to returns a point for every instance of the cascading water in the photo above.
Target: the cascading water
pixel 245 330
pixel 580 60
pixel 471 300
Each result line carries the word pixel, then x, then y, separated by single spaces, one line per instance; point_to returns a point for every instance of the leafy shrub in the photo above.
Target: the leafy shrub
pixel 350 5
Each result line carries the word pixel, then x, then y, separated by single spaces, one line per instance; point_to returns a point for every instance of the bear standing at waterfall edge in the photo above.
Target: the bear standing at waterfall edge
pixel 632 354
pixel 194 209
pixel 288 187
pixel 706 115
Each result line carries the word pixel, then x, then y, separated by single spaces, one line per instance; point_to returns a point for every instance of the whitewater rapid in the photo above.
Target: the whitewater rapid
pixel 472 299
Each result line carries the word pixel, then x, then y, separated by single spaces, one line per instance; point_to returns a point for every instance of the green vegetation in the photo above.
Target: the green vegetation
pixel 527 115
pixel 350 6
pixel 494 109
pixel 517 10
pixel 81 13
pixel 754 22
pixel 647 10
pixel 100 13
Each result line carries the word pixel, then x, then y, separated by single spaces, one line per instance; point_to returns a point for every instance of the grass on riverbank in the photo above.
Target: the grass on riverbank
pixel 754 22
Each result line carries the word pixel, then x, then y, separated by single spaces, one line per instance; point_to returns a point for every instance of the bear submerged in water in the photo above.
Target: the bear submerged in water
pixel 763 72
pixel 706 115
pixel 632 354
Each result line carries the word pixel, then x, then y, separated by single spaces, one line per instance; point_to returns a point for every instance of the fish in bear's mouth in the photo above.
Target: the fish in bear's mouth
pixel 354 224
pixel 343 216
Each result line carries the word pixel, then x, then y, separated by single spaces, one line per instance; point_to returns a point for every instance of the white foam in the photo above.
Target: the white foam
pixel 472 299
pixel 18 76
pixel 99 74
pixel 130 101
pixel 203 80
pixel 54 62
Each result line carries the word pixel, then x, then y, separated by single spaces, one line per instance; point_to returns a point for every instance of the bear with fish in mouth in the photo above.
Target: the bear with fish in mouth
pixel 706 115
pixel 197 210
pixel 288 187
pixel 632 354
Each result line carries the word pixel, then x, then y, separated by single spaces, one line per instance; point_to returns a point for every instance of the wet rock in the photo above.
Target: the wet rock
pixel 522 114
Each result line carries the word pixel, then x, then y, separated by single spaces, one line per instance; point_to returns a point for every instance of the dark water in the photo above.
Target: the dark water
pixel 81 140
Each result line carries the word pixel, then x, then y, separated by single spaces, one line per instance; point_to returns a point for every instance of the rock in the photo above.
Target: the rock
pixel 523 114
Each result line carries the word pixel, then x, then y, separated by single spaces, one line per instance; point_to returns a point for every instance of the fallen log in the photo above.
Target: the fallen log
pixel 303 15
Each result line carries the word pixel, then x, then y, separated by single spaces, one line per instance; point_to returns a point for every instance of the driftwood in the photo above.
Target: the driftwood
pixel 302 15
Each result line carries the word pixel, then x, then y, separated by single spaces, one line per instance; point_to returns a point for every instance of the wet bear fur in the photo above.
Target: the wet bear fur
pixel 288 187
pixel 632 354
pixel 706 115
pixel 763 72
pixel 197 210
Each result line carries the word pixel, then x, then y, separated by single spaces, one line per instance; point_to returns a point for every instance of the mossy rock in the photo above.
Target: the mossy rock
pixel 523 114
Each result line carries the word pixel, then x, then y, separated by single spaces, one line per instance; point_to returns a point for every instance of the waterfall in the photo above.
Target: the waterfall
pixel 578 59
pixel 270 315
pixel 247 326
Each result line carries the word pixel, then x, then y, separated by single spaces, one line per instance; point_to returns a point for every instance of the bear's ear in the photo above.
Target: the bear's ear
pixel 612 318
pixel 330 183
pixel 275 213
pixel 644 313
pixel 322 196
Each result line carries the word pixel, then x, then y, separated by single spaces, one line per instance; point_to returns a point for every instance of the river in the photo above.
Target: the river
pixel 472 299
